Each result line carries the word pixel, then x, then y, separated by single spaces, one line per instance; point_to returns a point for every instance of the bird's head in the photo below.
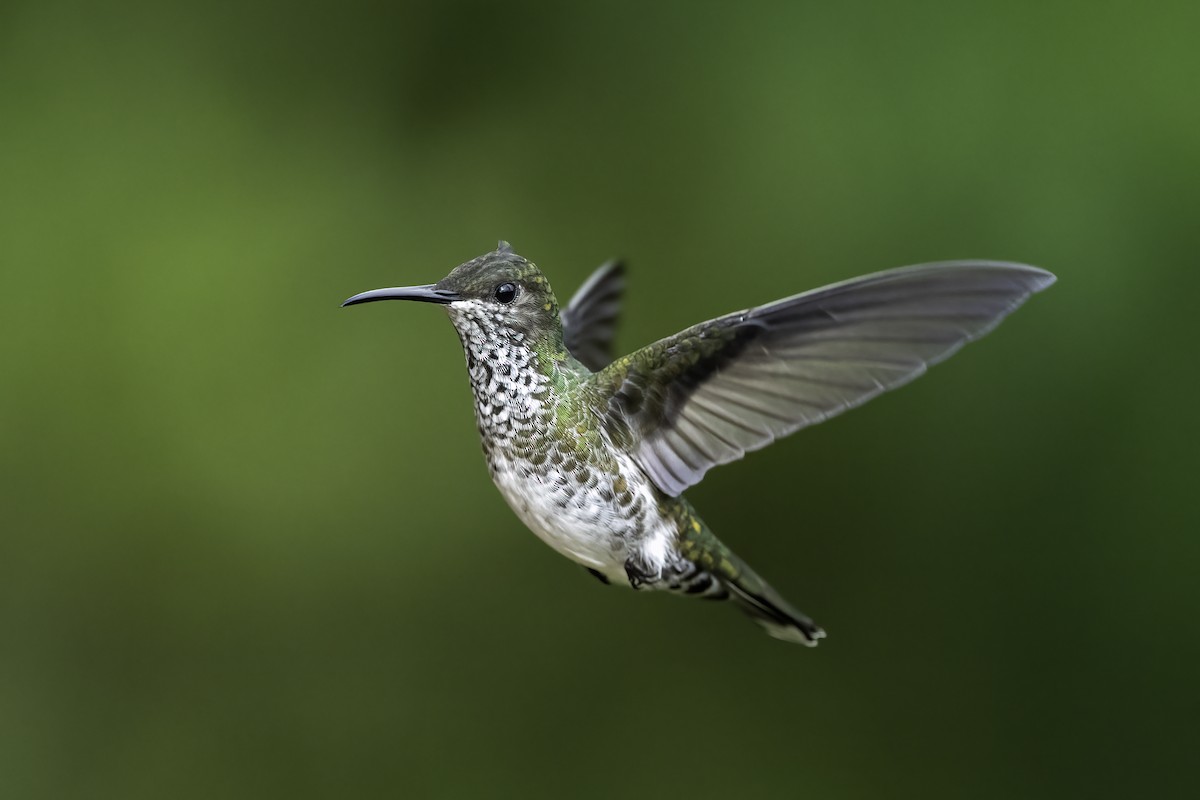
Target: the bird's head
pixel 498 294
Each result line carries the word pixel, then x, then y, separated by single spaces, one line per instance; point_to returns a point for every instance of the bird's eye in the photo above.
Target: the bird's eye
pixel 506 292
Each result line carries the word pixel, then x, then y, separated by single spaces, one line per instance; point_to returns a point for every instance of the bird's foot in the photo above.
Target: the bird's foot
pixel 638 575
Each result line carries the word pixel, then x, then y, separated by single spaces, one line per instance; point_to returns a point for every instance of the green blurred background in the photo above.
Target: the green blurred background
pixel 250 548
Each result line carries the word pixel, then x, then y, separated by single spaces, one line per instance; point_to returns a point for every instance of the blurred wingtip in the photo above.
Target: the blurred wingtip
pixel 1047 279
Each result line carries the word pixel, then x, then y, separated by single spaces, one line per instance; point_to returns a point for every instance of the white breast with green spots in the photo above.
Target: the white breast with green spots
pixel 596 508
pixel 578 513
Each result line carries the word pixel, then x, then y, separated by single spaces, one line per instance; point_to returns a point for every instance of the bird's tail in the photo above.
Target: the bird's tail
pixel 764 605
pixel 716 572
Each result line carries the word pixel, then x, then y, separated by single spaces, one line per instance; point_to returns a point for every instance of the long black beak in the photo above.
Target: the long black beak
pixel 424 294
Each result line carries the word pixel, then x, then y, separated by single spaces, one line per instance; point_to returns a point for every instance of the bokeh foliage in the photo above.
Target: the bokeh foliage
pixel 249 546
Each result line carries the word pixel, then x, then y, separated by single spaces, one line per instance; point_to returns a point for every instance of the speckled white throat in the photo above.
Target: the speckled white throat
pixel 562 492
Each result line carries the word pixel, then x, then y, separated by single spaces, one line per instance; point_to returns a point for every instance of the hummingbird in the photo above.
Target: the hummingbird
pixel 593 453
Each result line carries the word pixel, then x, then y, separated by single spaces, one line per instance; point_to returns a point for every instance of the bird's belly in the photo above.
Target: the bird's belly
pixel 580 520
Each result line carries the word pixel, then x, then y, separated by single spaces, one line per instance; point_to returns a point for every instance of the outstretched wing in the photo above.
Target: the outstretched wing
pixel 713 392
pixel 590 319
